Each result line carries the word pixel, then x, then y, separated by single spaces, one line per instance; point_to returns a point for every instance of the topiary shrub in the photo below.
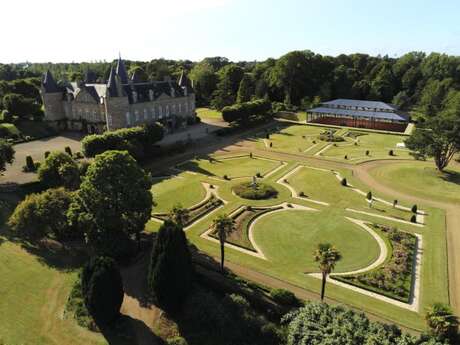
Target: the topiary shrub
pixel 102 289
pixel 346 157
pixel 68 150
pixel 413 219
pixel 367 152
pixel 344 182
pixel 301 194
pixel 30 165
pixel 391 153
pixel 284 297
pixel 259 175
pixel 369 195
pixel 414 209
pixel 47 153
pixel 258 191
pixel 226 177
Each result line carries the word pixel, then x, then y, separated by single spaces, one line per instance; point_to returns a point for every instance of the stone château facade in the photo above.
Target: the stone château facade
pixel 118 103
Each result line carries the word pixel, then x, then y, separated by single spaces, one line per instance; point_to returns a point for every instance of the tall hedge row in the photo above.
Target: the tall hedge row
pixel 136 140
pixel 242 112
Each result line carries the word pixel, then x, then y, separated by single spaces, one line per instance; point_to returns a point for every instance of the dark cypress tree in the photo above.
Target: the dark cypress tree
pixel 102 289
pixel 170 272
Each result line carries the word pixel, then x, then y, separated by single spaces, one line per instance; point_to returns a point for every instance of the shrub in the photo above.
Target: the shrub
pixel 344 182
pixel 68 150
pixel 301 194
pixel 59 169
pixel 346 157
pixel 259 174
pixel 414 209
pixel 78 155
pixel 284 297
pixel 367 152
pixel 176 341
pixel 413 219
pixel 47 153
pixel 102 289
pixel 226 177
pixel 391 153
pixel 197 119
pixel 30 165
pixel 260 191
pixel 369 195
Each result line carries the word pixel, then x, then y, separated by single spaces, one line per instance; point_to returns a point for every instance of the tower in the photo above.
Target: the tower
pixel 52 97
pixel 116 101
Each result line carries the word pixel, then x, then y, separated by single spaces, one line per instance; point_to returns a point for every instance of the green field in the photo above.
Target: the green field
pixel 233 167
pixel 165 191
pixel 422 178
pixel 289 238
pixel 207 113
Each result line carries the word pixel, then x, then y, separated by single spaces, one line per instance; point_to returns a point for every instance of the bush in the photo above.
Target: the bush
pixel 30 166
pixel 413 219
pixel 102 289
pixel 391 153
pixel 260 191
pixel 226 177
pixel 176 341
pixel 242 112
pixel 197 119
pixel 369 195
pixel 78 155
pixel 301 194
pixel 367 152
pixel 47 153
pixel 284 297
pixel 259 175
pixel 345 157
pixel 59 169
pixel 344 182
pixel 68 150
pixel 414 209
pixel 136 140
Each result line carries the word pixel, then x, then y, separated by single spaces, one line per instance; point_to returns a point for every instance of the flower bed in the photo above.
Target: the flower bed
pixel 258 191
pixel 394 278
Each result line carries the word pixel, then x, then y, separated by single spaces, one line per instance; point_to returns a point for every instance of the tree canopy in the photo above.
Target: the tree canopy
pixel 6 154
pixel 59 169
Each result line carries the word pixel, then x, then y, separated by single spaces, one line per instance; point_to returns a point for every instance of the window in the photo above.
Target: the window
pixel 151 95
pixel 136 115
pixel 134 96
pixel 180 107
pixel 153 112
pixel 94 115
pixel 145 114
pixel 186 107
pixel 128 118
pixel 160 110
pixel 174 108
pixel 167 110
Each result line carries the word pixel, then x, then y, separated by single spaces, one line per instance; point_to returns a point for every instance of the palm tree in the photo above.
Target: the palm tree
pixel 441 321
pixel 223 225
pixel 179 215
pixel 326 255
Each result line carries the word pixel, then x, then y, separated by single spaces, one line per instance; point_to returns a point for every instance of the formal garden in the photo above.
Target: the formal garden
pixel 282 210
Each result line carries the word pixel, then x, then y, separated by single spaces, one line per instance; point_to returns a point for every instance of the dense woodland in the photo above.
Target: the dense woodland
pixel 414 81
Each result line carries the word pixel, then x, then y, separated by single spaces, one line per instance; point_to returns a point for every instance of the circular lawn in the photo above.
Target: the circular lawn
pixel 290 237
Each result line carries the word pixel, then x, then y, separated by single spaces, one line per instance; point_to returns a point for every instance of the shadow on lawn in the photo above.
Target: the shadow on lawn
pixel 451 176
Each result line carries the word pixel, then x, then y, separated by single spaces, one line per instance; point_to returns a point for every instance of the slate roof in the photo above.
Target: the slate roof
pixel 158 88
pixel 49 84
pixel 359 103
pixel 379 115
pixel 111 83
pixel 121 71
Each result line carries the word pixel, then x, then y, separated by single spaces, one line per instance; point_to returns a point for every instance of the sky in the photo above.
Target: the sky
pixel 95 30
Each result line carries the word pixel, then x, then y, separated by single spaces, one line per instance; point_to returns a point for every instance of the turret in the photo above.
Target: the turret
pixel 52 97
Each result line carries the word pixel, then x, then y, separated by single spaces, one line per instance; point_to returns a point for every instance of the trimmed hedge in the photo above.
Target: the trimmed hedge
pixel 260 191
pixel 241 112
pixel 135 140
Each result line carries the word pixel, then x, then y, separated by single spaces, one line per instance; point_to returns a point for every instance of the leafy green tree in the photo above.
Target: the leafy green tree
pixel 113 202
pixel 179 215
pixel 6 154
pixel 437 137
pixel 20 106
pixel 246 89
pixel 326 255
pixel 59 169
pixel 205 82
pixel 230 77
pixel 102 289
pixel 170 271
pixel 43 214
pixel 223 225
pixel 443 324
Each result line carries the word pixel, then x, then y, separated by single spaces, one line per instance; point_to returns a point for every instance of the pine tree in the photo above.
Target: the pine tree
pixel 170 272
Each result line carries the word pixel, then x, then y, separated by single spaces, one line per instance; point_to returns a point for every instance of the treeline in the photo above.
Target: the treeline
pixel 298 79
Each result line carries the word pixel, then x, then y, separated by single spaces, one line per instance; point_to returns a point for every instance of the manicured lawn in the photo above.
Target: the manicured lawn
pixel 33 298
pixel 289 238
pixel 242 166
pixel 292 139
pixel 422 178
pixel 378 145
pixel 166 191
pixel 207 113
pixel 324 186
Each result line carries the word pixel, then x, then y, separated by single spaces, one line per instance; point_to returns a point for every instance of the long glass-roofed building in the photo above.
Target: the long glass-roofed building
pixel 356 113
